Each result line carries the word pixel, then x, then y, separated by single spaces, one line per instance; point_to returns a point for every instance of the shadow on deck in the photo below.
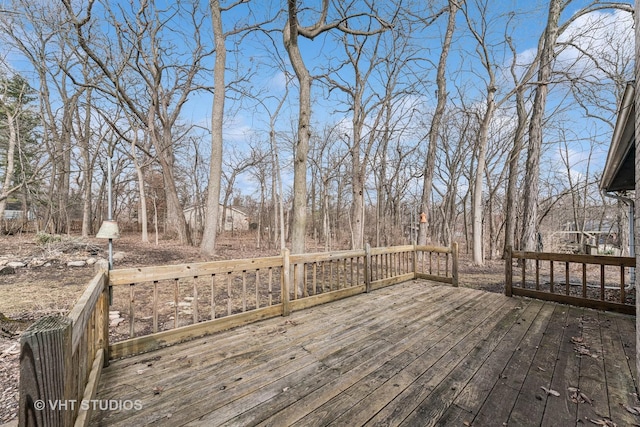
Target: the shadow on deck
pixel 410 354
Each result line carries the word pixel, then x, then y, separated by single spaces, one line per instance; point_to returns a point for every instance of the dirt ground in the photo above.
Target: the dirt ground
pixel 48 285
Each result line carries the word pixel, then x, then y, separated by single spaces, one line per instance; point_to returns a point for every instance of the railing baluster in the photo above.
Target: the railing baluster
pixel 176 300
pixel 229 302
pixel 584 280
pixel 602 282
pixel 622 292
pixel 244 290
pixel 270 286
pixel 305 271
pixel 295 281
pixel 567 285
pixel 194 303
pixel 257 289
pixel 315 278
pixel 155 306
pixel 551 277
pixel 537 274
pixel 131 310
pixel 213 296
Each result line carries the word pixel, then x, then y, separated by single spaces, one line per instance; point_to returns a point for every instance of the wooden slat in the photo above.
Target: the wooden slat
pixel 147 274
pixel 502 396
pixel 616 368
pixel 323 256
pixel 84 413
pixel 566 370
pixel 579 259
pixel 473 395
pixel 592 375
pixel 530 404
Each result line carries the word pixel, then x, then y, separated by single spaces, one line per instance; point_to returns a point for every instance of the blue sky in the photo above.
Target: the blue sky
pixel 247 120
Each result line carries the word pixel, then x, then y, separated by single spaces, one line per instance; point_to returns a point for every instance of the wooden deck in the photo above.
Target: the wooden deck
pixel 411 354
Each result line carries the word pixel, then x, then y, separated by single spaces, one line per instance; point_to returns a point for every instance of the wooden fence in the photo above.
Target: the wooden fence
pixel 62 357
pixel 594 281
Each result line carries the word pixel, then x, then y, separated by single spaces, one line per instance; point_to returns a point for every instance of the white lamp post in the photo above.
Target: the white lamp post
pixel 109 227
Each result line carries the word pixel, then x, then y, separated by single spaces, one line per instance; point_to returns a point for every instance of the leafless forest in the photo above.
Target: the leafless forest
pixel 340 121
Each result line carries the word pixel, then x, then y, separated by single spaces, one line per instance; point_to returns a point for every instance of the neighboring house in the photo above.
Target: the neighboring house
pixel 235 220
pixel 13 212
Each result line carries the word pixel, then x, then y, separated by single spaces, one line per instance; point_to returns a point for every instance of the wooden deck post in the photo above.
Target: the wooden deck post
pixel 508 272
pixel 454 263
pixel 46 380
pixel 286 282
pixel 415 261
pixel 103 310
pixel 367 267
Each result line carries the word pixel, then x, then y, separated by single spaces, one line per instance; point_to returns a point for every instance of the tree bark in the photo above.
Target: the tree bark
pixel 299 226
pixel 441 81
pixel 532 174
pixel 209 234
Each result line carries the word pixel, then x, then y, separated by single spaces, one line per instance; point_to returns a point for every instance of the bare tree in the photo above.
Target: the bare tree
pixel 143 47
pixel 547 56
pixel 434 129
pixel 291 32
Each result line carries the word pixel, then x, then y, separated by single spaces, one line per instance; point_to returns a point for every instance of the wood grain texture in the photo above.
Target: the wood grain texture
pixel 415 353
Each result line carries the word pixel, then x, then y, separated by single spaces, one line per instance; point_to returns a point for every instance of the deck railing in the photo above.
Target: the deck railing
pixel 594 281
pixel 168 304
pixel 61 359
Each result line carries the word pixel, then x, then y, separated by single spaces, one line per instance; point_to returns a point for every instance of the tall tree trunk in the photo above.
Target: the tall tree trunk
pixel 532 175
pixel 514 157
pixel 441 81
pixel 85 136
pixel 209 234
pixel 476 201
pixel 142 212
pixel 290 35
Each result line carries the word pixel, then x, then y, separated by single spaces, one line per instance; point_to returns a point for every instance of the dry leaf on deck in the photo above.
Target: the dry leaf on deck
pixel 631 409
pixel 550 391
pixel 604 422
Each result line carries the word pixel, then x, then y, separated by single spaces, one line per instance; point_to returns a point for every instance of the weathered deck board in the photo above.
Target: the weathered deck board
pixel 410 354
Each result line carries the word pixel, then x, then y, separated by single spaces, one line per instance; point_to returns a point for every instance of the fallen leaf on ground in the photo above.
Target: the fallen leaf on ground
pixel 550 391
pixel 635 410
pixel 604 422
pixel 577 396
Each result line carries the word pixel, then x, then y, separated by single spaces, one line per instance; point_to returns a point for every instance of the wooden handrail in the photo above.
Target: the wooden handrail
pixel 565 293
